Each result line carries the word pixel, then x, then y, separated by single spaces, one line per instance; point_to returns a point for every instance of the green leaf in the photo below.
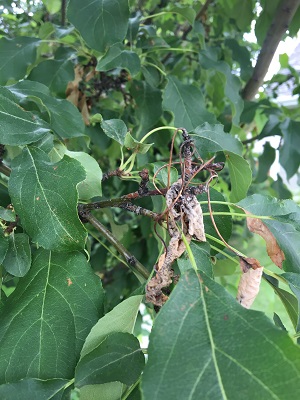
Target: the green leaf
pixel 52 6
pixel 187 12
pixel 101 23
pixel 265 160
pixel 56 74
pixel 45 197
pixel 208 60
pixel 281 190
pixel 284 227
pixel 108 391
pixel 135 145
pixel 3 246
pixel 117 358
pixel 290 151
pixel 118 57
pixel 223 222
pixel 32 389
pixel 162 175
pixel 17 126
pixel 45 321
pixel 187 104
pixel 15 57
pixel 7 215
pixel 214 352
pixel 115 129
pixel 91 185
pixel 64 117
pixel 288 300
pixel 121 319
pixel 294 284
pixel 18 257
pixel 240 176
pixel 148 106
pixel 212 138
pixel 201 253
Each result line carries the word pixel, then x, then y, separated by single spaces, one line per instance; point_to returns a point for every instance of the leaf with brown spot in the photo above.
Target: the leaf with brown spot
pixel 256 225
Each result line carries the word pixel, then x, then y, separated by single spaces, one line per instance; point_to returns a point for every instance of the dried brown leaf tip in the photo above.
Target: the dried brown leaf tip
pixel 255 225
pixel 250 281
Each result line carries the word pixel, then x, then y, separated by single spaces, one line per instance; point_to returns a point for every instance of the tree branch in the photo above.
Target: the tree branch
pixel 63 12
pixel 278 27
pixel 136 267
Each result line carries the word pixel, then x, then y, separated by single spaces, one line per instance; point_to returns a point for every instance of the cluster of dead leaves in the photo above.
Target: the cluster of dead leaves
pixel 184 209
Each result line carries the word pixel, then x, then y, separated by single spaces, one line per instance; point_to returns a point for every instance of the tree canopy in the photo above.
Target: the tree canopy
pixel 132 193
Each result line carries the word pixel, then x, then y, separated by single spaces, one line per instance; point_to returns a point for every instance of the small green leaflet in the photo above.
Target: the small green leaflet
pixel 18 127
pixel 216 360
pixel 45 197
pixel 91 185
pixel 115 129
pixel 101 23
pixel 17 260
pixel 15 57
pixel 46 319
pixel 136 146
pixel 240 176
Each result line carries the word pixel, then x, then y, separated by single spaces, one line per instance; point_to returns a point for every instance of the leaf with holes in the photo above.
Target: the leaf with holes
pixel 202 311
pixel 45 197
pixel 47 318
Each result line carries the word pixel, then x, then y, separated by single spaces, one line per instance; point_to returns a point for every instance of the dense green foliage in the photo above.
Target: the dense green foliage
pixel 105 107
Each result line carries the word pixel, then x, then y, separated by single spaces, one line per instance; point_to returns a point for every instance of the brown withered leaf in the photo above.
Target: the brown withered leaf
pixel 186 210
pixel 72 91
pixel 82 105
pixel 256 225
pixel 250 280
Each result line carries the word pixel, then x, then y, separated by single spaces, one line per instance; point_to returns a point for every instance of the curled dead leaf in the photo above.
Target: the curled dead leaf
pixel 184 208
pixel 256 225
pixel 250 280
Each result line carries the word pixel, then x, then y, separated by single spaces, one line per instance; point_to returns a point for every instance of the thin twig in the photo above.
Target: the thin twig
pixel 136 267
pixel 120 200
